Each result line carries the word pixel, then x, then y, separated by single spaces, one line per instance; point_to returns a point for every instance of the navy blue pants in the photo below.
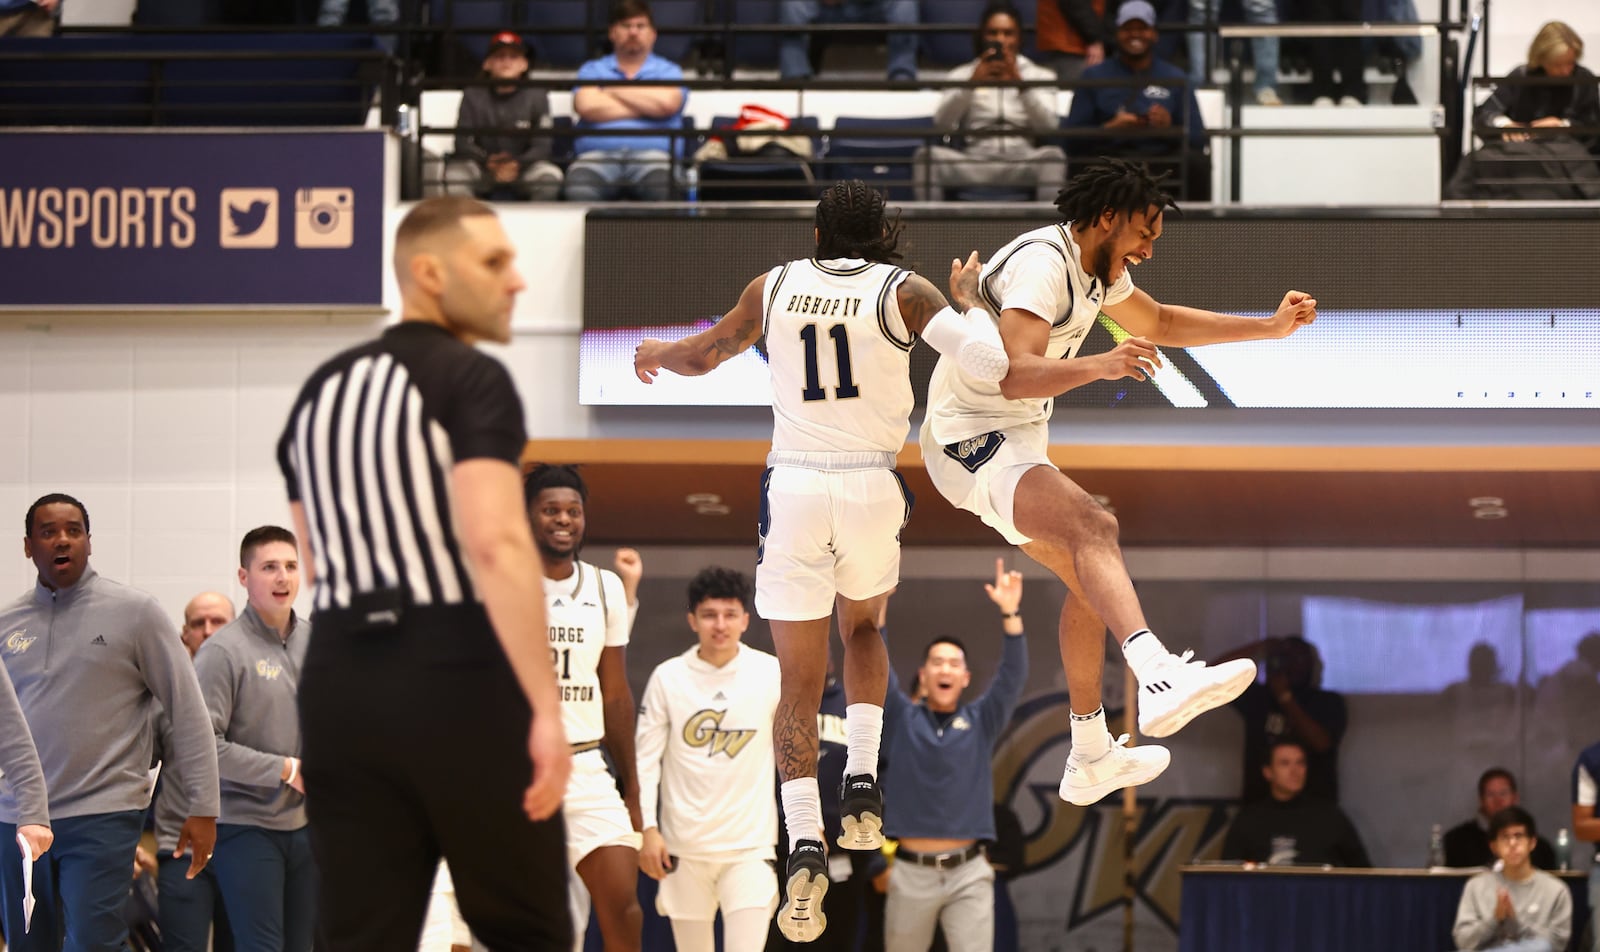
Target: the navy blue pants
pixel 81 885
pixel 190 908
pixel 269 885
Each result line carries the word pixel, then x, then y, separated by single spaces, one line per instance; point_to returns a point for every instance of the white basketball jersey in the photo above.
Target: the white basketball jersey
pixel 587 612
pixel 840 356
pixel 705 733
pixel 1039 272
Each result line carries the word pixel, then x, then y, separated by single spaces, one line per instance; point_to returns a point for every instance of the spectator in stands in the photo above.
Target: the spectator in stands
pixel 1335 54
pixel 794 47
pixel 28 17
pixel 333 12
pixel 1291 704
pixel 1143 103
pixel 204 614
pixel 1071 35
pixel 1516 908
pixel 1263 50
pixel 612 167
pixel 509 160
pixel 1527 152
pixel 1472 843
pixel 1292 827
pixel 1586 826
pixel 1000 122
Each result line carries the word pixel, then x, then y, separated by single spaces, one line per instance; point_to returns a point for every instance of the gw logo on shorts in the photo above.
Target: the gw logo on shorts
pixel 975 451
pixel 704 729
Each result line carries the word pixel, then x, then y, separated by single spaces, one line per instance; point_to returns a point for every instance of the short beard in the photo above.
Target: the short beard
pixel 1102 262
pixel 550 553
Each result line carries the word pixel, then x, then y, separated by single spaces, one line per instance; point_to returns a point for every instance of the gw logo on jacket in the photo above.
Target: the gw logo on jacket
pixel 268 670
pixel 704 729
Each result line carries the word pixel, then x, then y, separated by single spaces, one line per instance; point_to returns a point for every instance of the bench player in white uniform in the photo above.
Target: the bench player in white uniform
pixel 986 448
pixel 590 612
pixel 839 330
pixel 705 755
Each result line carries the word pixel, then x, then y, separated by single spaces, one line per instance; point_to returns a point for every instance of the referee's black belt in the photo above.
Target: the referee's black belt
pixel 939 860
pixel 585 747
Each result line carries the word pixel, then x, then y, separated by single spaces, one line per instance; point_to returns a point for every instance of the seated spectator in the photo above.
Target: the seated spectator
pixel 794 48
pixel 1470 844
pixel 1516 907
pixel 1142 103
pixel 1013 158
pixel 1335 54
pixel 509 161
pixel 1586 825
pixel 1527 152
pixel 1263 49
pixel 1071 35
pixel 28 17
pixel 611 167
pixel 1289 828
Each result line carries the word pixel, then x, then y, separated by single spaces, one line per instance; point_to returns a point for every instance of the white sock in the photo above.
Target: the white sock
pixel 802 810
pixel 1090 738
pixel 1144 651
pixel 863 729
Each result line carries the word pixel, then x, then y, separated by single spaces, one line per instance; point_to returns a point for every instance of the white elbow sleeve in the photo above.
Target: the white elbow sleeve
pixel 972 340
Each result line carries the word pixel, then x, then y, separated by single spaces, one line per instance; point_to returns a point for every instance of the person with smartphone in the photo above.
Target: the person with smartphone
pixel 999 123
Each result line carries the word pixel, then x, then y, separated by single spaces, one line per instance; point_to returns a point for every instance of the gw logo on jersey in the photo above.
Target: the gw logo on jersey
pixel 19 642
pixel 265 669
pixel 704 729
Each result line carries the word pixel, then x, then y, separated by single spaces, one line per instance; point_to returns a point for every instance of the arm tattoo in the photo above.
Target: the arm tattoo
pixel 919 301
pixel 794 740
pixel 724 347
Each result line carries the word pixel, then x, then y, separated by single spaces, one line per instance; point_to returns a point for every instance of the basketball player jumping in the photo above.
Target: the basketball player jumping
pixel 986 446
pixel 839 327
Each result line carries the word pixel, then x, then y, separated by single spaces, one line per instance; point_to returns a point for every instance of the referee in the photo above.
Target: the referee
pixel 400 457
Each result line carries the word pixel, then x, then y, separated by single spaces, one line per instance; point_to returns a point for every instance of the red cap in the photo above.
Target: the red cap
pixel 507 40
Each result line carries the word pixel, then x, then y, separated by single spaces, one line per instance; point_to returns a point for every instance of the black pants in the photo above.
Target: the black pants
pixel 415 743
pixel 1342 54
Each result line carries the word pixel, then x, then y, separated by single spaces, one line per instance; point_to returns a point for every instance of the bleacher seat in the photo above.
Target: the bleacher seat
pixel 761 179
pixel 481 19
pixel 944 50
pixel 299 89
pixel 754 50
pixel 883 161
pixel 558 49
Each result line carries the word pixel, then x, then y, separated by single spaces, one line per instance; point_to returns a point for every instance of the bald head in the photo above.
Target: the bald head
pixel 204 614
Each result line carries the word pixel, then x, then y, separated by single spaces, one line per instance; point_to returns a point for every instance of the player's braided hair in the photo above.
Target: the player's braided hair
pixel 851 223
pixel 1113 185
pixel 552 476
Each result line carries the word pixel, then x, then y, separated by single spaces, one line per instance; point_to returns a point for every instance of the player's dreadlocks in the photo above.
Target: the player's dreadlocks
pixel 552 476
pixel 1112 185
pixel 851 224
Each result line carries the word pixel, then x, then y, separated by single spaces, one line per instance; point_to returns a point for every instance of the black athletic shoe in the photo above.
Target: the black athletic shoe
pixel 801 918
pixel 861 813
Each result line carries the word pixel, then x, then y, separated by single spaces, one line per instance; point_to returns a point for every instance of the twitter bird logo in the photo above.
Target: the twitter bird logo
pixel 249 218
pixel 246 221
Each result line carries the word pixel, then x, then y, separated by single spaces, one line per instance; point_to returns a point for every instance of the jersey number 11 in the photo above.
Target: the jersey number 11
pixel 814 390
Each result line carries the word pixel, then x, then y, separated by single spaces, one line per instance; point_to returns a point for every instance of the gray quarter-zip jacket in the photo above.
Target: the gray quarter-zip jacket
pixel 249 677
pixel 24 778
pixel 89 663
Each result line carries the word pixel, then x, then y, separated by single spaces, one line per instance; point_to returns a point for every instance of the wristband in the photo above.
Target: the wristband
pixel 1007 615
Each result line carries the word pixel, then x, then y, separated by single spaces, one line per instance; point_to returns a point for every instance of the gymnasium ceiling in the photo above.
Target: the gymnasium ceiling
pixel 676 493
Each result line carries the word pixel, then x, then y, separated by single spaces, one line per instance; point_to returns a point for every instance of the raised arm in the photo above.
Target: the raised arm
pixel 1172 325
pixel 965 333
pixel 701 353
pixel 1032 374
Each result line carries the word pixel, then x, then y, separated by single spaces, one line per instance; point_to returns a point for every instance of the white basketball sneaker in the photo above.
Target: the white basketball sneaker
pixel 1085 782
pixel 1178 690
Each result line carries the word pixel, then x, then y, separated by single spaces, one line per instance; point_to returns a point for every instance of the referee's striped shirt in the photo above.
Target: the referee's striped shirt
pixel 368 450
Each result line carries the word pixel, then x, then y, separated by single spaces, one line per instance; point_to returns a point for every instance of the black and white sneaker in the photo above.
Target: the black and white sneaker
pixel 801 919
pixel 861 813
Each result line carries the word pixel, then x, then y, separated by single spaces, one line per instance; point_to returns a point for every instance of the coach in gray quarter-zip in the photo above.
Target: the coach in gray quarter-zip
pixel 89 659
pixel 250 675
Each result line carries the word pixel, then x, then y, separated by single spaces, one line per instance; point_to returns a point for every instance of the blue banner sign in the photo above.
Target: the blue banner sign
pixel 191 219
